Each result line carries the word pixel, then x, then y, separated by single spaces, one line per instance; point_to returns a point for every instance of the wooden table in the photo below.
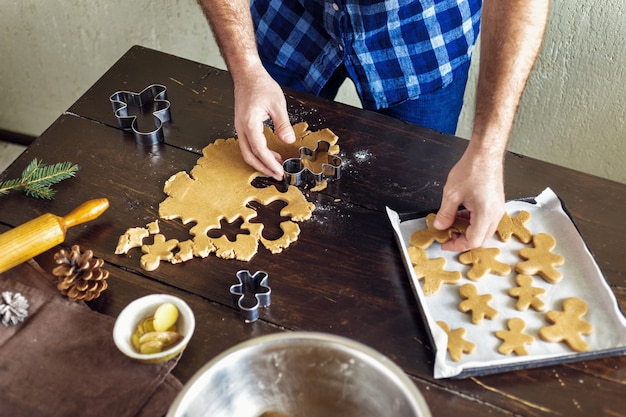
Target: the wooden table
pixel 344 275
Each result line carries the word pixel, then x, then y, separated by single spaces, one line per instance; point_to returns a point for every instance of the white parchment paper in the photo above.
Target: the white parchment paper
pixel 581 278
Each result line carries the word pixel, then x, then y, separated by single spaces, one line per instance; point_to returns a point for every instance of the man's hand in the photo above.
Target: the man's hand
pixel 476 182
pixel 511 36
pixel 257 99
pixel 257 96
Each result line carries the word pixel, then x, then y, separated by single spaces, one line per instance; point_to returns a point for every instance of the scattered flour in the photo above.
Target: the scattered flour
pixel 363 156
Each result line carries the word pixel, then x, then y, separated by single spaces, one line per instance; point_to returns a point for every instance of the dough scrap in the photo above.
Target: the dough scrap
pixel 457 344
pixel 132 238
pixel 153 227
pixel 568 325
pixel 185 252
pixel 483 261
pixel 514 339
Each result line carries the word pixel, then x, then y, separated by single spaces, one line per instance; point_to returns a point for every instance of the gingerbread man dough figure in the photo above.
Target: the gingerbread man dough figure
pixel 541 260
pixel 457 344
pixel 483 261
pixel 514 339
pixel 425 237
pixel 431 271
pixel 526 294
pixel 477 304
pixel 514 226
pixel 568 325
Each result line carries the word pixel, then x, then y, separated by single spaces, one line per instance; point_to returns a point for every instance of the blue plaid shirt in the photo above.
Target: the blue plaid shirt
pixel 394 50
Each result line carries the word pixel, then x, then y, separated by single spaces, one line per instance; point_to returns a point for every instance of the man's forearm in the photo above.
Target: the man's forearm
pixel 232 26
pixel 511 35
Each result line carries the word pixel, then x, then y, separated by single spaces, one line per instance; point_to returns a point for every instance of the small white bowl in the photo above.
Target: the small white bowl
pixel 142 308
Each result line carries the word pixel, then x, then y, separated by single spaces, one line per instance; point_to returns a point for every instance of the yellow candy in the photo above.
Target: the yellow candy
pixel 165 317
pixel 153 346
pixel 167 338
pixel 146 326
pixel 135 340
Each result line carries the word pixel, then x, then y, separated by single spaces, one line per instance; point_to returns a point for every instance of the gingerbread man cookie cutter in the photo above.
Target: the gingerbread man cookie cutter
pixel 251 293
pixel 156 95
pixel 298 172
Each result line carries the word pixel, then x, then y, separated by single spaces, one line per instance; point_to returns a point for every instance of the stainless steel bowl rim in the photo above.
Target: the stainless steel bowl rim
pixel 381 361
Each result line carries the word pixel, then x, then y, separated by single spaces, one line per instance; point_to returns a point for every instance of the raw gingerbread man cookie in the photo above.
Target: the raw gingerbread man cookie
pixel 514 226
pixel 514 339
pixel 457 345
pixel 431 271
pixel 483 261
pixel 568 325
pixel 160 250
pixel 477 304
pixel 425 237
pixel 541 260
pixel 526 294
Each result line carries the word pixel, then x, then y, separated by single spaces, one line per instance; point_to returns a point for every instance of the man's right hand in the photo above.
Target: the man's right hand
pixel 258 98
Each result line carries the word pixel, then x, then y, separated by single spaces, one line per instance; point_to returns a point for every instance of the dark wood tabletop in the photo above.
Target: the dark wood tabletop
pixel 344 275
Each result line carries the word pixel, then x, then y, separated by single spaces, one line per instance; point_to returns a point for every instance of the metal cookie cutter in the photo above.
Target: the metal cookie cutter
pixel 156 95
pixel 251 293
pixel 296 172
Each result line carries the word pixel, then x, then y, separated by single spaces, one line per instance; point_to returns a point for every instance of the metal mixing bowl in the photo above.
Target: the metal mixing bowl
pixel 300 374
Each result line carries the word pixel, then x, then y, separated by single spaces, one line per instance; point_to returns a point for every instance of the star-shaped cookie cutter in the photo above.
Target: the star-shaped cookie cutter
pixel 296 172
pixel 155 93
pixel 251 293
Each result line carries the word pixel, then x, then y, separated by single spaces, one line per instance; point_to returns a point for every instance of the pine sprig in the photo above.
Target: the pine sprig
pixel 38 178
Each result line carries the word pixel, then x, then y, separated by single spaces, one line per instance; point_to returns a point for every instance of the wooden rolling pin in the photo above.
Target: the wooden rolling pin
pixel 45 232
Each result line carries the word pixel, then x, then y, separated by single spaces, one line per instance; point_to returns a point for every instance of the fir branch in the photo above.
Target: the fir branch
pixel 38 178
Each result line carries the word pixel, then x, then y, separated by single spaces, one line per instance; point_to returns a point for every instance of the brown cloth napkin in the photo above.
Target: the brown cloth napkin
pixel 61 361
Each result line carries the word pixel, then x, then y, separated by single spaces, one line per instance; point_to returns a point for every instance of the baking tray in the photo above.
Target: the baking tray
pixel 582 278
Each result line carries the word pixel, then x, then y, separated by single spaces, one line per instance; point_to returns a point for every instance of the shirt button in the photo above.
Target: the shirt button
pixel 336 7
pixel 340 47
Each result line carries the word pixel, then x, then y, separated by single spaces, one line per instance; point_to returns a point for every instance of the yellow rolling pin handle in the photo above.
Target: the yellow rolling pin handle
pixel 45 232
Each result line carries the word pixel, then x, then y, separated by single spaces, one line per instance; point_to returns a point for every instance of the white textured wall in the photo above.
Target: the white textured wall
pixel 51 51
pixel 573 112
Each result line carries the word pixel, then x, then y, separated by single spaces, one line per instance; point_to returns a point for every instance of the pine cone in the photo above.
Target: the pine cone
pixel 80 276
pixel 13 308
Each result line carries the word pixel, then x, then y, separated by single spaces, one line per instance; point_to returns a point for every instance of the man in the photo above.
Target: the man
pixel 511 36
